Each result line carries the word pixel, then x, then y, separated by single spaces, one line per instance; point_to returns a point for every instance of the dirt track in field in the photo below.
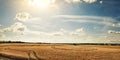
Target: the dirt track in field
pixel 58 52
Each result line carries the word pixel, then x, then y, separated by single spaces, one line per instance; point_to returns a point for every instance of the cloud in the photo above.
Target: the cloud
pixel 116 24
pixel 80 16
pixel 2 36
pixel 113 36
pixel 41 33
pixel 90 1
pixel 53 1
pixel 72 1
pixel 0 25
pixel 101 2
pixel 76 1
pixel 57 34
pixel 23 16
pixel 78 32
pixel 61 32
pixel 113 32
pixel 86 1
pixel 68 1
pixel 16 27
pixel 107 21
pixel 63 35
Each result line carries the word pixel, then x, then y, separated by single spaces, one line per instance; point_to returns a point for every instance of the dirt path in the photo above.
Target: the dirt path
pixel 30 53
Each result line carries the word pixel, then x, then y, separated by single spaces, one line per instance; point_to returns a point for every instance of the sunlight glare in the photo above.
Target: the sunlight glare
pixel 40 3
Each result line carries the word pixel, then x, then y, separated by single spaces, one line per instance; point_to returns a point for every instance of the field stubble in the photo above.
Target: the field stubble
pixel 61 52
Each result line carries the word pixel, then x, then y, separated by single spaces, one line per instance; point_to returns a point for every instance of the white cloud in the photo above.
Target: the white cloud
pixel 113 32
pixel 2 36
pixel 80 17
pixel 78 32
pixel 57 34
pixel 16 27
pixel 77 35
pixel 108 21
pixel 76 1
pixel 72 1
pixel 0 25
pixel 68 1
pixel 61 32
pixel 101 2
pixel 23 16
pixel 41 33
pixel 113 36
pixel 116 24
pixel 90 1
pixel 53 1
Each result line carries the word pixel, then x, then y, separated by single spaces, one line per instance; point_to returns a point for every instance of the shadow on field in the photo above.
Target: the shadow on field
pixel 29 53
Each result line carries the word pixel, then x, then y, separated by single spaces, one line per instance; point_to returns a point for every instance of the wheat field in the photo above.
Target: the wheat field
pixel 58 52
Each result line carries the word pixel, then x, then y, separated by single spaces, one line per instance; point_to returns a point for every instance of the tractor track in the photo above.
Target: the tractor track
pixel 30 53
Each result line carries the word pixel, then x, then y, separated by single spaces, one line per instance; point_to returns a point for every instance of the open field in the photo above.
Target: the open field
pixel 58 52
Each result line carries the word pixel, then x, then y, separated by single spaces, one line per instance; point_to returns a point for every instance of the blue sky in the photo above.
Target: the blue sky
pixel 60 21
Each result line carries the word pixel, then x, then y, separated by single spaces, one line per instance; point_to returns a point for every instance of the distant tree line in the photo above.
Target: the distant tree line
pixel 114 44
pixel 11 42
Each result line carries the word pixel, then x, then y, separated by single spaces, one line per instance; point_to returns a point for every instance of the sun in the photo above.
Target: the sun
pixel 40 3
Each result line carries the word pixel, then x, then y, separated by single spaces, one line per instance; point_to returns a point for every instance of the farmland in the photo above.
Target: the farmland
pixel 58 52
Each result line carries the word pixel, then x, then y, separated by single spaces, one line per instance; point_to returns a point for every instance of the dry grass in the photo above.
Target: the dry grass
pixel 61 51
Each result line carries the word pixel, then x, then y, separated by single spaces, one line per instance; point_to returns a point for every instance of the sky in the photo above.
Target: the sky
pixel 60 21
